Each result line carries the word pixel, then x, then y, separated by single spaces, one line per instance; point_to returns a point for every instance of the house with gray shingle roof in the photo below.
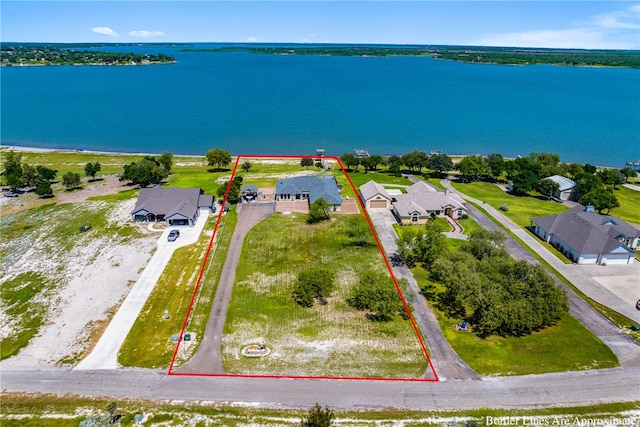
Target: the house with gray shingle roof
pixel 375 196
pixel 421 201
pixel 174 206
pixel 309 188
pixel 586 237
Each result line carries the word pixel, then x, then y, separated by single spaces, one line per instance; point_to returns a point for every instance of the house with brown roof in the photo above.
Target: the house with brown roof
pixel 174 206
pixel 586 237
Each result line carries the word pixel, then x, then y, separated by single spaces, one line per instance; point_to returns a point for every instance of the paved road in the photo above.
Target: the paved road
pixel 105 353
pixel 532 391
pixel 208 358
pixel 445 361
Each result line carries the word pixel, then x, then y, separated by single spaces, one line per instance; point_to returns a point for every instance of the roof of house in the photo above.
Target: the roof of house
pixel 564 183
pixel 249 188
pixel 172 201
pixel 423 198
pixel 317 187
pixel 587 232
pixel 371 189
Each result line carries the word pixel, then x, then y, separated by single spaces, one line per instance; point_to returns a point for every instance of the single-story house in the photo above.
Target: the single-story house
pixel 423 201
pixel 566 188
pixel 586 237
pixel 174 206
pixel 375 196
pixel 309 188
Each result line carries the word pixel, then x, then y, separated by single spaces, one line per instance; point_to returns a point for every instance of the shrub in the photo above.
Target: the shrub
pixel 504 207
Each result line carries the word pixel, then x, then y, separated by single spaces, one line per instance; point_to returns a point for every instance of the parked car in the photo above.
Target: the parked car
pixel 10 194
pixel 173 235
pixel 85 227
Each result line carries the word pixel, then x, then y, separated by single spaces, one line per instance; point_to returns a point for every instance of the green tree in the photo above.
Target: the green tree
pixel 13 169
pixel 166 160
pixel 611 177
pixel 318 211
pixel 524 182
pixel 91 169
pixel 246 166
pixel 43 189
pixel 483 243
pixel 29 175
pixel 71 180
pixel 415 160
pixel 495 165
pixel 318 417
pixel 393 161
pixel 306 162
pixel 46 173
pixel 359 232
pixel 350 160
pixel 422 249
pixel 371 163
pixel 472 167
pixel 628 172
pixel 218 157
pixel 440 163
pixel 590 169
pixel 144 172
pixel 375 294
pixel 315 283
pixel 600 198
pixel 233 196
pixel 547 187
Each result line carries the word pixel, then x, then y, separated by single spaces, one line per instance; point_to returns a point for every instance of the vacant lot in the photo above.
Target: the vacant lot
pixel 324 340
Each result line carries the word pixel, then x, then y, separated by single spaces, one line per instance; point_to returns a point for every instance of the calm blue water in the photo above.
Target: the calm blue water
pixel 277 104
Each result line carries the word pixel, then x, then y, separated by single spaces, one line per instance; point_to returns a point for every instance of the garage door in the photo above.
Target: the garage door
pixel 617 259
pixel 378 204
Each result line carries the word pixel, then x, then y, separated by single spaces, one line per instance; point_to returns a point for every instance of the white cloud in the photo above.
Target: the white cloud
pixel 578 38
pixel 105 31
pixel 252 39
pixel 146 34
pixel 628 18
pixel 613 30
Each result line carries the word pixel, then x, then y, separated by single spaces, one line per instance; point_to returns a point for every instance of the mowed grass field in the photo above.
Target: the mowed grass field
pixel 324 340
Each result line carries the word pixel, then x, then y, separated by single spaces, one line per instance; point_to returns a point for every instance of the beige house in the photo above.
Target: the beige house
pixel 423 201
pixel 375 196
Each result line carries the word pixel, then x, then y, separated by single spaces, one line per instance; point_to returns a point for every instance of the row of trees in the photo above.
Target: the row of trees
pixel 148 171
pixel 18 174
pixel 484 285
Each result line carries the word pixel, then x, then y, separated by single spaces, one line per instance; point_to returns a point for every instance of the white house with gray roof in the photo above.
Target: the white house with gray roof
pixel 174 206
pixel 586 237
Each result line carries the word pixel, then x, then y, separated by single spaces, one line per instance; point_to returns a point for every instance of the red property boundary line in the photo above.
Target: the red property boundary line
pixel 380 248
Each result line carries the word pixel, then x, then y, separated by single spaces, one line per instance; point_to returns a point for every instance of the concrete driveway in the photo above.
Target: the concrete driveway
pixel 105 353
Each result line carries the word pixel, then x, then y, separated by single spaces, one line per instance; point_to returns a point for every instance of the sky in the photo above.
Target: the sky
pixel 552 24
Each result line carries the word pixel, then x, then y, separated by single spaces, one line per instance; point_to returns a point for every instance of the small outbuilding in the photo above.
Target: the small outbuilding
pixel 566 188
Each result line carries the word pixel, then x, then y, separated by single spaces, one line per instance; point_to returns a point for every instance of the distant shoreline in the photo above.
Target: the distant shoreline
pixel 23 149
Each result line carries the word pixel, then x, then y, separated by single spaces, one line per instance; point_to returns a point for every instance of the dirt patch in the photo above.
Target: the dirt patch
pixel 91 278
pixel 108 184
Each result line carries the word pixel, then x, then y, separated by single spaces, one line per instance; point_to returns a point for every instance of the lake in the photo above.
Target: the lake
pixel 293 104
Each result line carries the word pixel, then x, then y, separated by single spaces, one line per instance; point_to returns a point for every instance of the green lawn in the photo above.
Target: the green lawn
pixel 381 177
pixel 325 340
pixel 521 208
pixel 629 209
pixel 148 344
pixel 567 346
